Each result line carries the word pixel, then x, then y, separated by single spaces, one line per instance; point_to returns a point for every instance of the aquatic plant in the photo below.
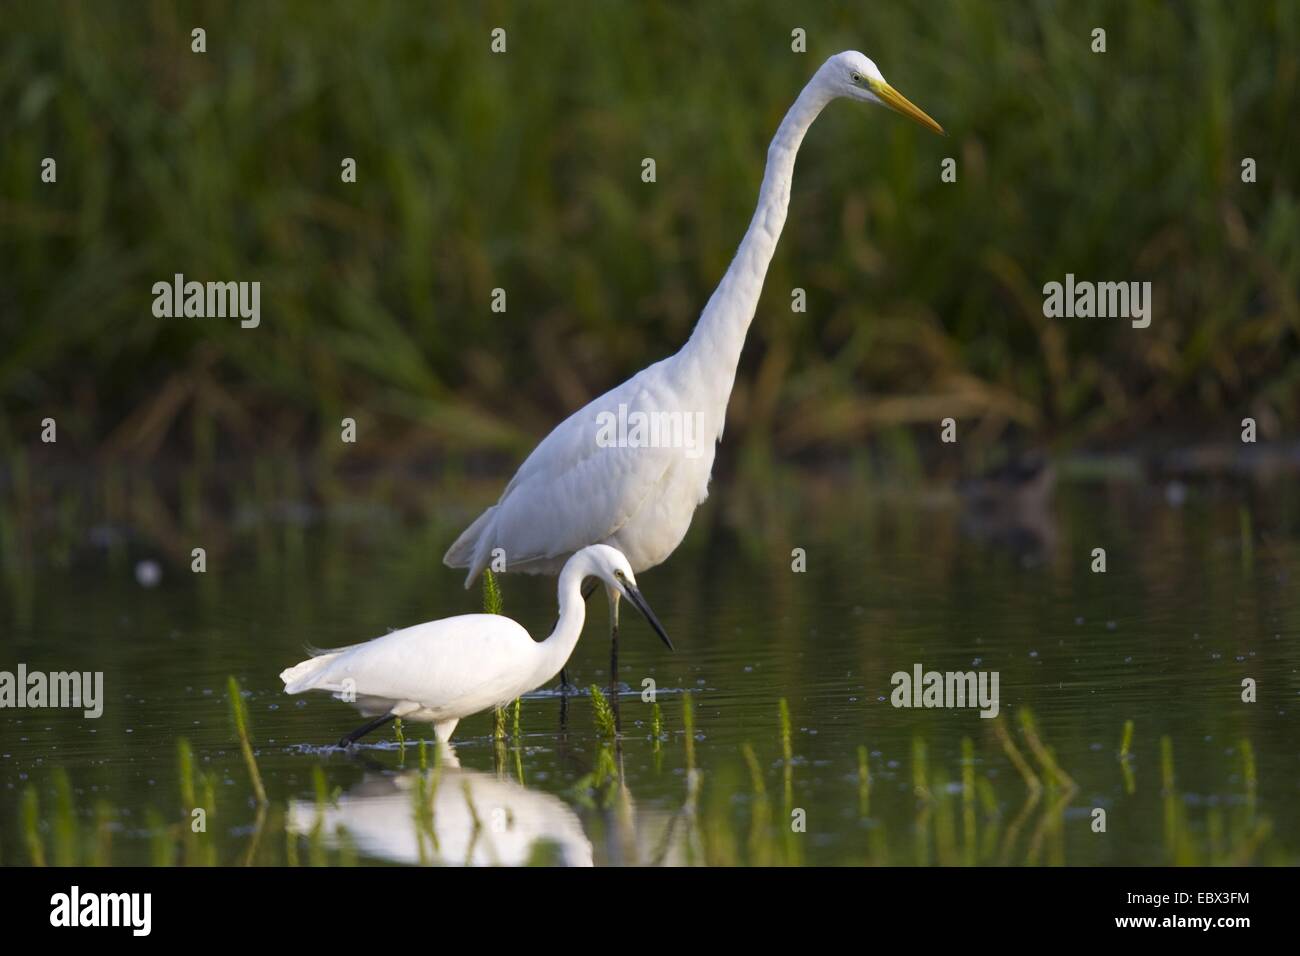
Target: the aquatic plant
pixel 602 713
pixel 239 717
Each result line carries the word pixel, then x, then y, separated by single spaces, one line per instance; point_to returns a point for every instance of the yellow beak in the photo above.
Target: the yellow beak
pixel 901 104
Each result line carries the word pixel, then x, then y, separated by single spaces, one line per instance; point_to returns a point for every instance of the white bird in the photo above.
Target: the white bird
pixel 445 670
pixel 588 483
pixel 379 817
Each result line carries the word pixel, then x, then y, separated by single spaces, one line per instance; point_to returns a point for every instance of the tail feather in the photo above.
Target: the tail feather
pixel 304 676
pixel 471 550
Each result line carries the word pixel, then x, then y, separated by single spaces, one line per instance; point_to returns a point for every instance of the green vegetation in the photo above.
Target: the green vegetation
pixel 725 816
pixel 521 172
pixel 602 713
pixel 239 717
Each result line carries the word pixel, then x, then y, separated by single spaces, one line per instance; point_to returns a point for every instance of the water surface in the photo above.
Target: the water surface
pixel 1198 594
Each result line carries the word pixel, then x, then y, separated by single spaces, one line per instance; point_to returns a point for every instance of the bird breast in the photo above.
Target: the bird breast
pixel 655 529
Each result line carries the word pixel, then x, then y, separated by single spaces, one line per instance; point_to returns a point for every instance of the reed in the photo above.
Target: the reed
pixel 760 847
pixel 64 821
pixel 787 752
pixel 161 842
pixel 290 844
pixel 492 604
pixel 1247 540
pixel 969 844
pixel 688 729
pixel 920 769
pixel 1053 771
pixel 864 783
pixel 602 713
pixel 31 821
pixel 239 717
pixel 316 852
pixel 101 851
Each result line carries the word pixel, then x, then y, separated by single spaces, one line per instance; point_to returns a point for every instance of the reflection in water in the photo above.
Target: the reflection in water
pixel 636 835
pixel 448 816
pixel 1009 508
pixel 1199 596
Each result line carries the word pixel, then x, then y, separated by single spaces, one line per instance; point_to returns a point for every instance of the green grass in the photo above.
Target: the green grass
pixel 521 172
pixel 239 718
pixel 726 818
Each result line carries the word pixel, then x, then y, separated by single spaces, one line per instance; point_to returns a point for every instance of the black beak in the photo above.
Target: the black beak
pixel 639 603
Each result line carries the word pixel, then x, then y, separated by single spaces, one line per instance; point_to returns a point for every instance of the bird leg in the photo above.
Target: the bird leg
pixel 364 729
pixel 613 661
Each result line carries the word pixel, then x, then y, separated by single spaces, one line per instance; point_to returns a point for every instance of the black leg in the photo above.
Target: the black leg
pixel 364 729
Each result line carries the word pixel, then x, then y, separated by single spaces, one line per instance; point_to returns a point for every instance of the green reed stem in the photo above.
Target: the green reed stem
pixel 65 821
pixel 160 838
pixel 31 814
pixel 688 725
pixel 239 714
pixel 968 800
pixel 864 782
pixel 920 769
pixel 492 605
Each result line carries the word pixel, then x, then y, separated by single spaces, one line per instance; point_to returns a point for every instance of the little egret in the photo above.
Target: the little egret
pixel 445 670
pixel 636 489
pixel 376 816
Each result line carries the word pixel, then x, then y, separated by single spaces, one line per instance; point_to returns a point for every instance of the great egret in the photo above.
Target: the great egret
pixel 445 670
pixel 579 487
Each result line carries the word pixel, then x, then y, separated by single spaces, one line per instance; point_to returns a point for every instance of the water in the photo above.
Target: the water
pixel 1198 595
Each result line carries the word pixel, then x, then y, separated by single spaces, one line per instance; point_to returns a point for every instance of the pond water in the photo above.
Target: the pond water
pixel 1198 595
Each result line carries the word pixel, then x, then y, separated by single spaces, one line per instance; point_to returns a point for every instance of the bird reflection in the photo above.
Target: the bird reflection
pixel 1010 508
pixel 448 816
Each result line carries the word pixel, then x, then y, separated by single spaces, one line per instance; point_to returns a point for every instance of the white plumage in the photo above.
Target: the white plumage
pixel 445 670
pixel 573 491
pixel 474 819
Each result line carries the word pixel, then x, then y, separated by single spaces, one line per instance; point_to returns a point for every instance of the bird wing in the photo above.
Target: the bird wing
pixel 575 490
pixel 451 659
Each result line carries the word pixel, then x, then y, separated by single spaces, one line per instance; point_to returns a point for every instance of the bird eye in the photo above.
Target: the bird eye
pixel 618 574
pixel 857 77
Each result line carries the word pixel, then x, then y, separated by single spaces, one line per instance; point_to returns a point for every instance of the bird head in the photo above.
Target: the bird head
pixel 852 76
pixel 612 567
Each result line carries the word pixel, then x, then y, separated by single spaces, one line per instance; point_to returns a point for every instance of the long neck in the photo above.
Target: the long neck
pixel 713 350
pixel 555 650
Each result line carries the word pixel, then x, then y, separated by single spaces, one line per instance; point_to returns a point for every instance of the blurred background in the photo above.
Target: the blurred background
pixel 522 171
